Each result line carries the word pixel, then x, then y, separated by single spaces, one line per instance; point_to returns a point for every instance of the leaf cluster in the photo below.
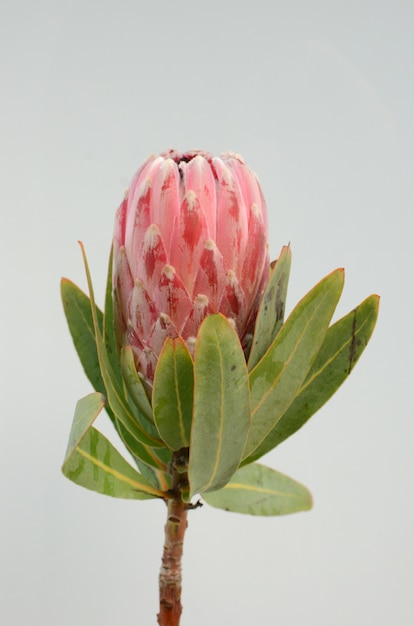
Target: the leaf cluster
pixel 214 411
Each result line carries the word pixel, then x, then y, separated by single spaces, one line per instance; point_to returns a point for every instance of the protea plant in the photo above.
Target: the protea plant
pixel 192 358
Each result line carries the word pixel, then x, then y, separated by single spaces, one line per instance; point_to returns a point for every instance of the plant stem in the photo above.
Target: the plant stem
pixel 175 527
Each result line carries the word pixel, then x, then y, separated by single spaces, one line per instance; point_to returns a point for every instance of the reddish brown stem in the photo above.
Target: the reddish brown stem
pixel 170 574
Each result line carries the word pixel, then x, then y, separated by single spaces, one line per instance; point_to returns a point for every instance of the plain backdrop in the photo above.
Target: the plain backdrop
pixel 318 98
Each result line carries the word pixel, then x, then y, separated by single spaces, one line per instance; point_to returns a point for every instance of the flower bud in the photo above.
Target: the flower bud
pixel 190 240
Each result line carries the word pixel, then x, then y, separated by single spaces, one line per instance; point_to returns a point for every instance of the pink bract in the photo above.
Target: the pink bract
pixel 190 240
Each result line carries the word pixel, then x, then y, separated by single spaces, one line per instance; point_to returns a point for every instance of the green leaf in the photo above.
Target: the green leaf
pixel 272 307
pixel 276 379
pixel 92 461
pixel 98 466
pixel 108 330
pixel 86 412
pixel 77 308
pixel 155 458
pixel 138 401
pixel 172 395
pixel 221 413
pixel 114 391
pixel 259 490
pixel 344 343
pixel 134 384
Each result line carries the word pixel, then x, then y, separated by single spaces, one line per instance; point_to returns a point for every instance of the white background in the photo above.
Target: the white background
pixel 318 98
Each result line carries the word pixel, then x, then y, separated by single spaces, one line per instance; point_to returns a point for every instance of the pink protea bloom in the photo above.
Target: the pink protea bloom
pixel 190 240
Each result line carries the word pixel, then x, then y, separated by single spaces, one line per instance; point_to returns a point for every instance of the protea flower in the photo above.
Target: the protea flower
pixel 190 240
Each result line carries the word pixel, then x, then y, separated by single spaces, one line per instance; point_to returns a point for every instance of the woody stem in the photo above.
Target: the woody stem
pixel 175 527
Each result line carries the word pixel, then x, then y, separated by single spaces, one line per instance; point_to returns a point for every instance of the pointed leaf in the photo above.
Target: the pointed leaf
pixel 172 396
pixel 96 465
pixel 115 395
pixel 77 308
pixel 259 490
pixel 86 411
pixel 275 380
pixel 221 414
pixel 344 343
pixel 92 462
pixel 272 307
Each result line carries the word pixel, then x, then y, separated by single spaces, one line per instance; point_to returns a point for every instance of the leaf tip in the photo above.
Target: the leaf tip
pixel 64 285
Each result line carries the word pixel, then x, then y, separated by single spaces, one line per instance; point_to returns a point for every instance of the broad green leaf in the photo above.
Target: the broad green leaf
pixel 344 343
pixel 272 307
pixel 86 411
pixel 276 379
pixel 77 308
pixel 172 396
pixel 92 462
pixel 134 383
pixel 259 490
pixel 98 466
pixel 221 415
pixel 114 391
